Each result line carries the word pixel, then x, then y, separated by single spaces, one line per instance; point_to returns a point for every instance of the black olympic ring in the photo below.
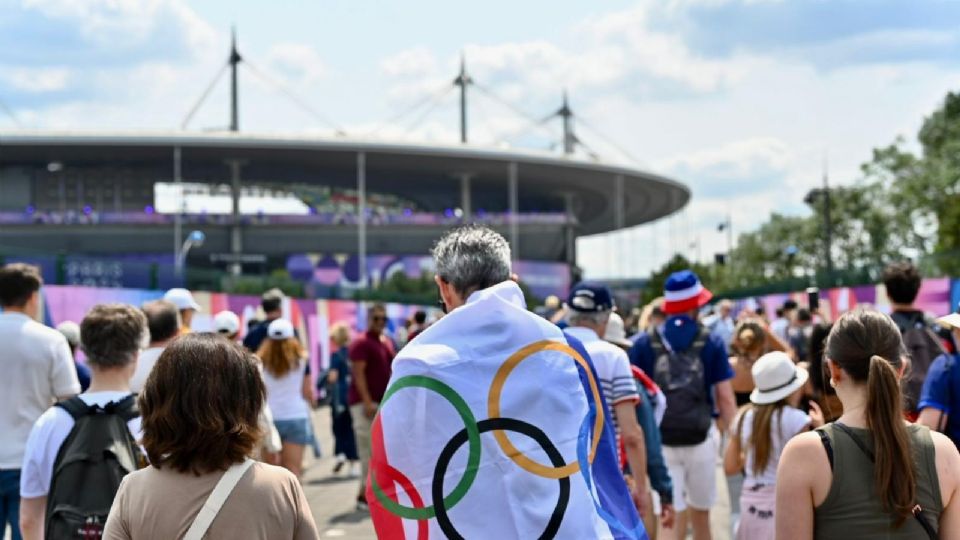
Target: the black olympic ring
pixel 492 424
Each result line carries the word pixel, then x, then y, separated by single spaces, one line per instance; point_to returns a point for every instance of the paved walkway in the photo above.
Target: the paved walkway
pixel 333 497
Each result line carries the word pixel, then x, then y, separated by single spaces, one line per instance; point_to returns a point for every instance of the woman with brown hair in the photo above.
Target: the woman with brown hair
pixel 289 391
pixel 751 340
pixel 869 474
pixel 199 412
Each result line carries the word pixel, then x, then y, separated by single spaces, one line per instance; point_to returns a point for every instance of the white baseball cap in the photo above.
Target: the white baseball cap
pixel 280 329
pixel 226 322
pixel 776 377
pixel 71 331
pixel 182 299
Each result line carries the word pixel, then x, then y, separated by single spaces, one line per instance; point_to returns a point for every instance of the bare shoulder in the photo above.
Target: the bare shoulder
pixel 947 456
pixel 804 452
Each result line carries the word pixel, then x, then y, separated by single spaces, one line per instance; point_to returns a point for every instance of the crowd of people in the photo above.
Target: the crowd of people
pixel 820 428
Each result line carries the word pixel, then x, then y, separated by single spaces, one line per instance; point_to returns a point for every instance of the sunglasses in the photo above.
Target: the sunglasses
pixel 378 318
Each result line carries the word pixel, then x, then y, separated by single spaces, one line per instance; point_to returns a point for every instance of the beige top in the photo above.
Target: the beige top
pixel 161 504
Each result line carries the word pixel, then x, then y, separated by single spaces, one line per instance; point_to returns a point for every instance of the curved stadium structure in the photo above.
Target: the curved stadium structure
pixel 94 193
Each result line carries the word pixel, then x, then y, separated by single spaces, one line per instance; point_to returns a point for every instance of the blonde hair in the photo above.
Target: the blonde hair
pixel 280 356
pixel 340 334
pixel 649 310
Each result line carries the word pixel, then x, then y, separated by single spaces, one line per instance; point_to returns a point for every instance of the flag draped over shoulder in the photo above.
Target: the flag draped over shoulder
pixel 493 426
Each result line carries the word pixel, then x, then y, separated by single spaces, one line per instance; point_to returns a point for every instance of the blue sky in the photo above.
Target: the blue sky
pixel 740 99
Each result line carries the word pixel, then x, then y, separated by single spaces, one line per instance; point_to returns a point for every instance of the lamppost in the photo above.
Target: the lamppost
pixel 194 239
pixel 823 196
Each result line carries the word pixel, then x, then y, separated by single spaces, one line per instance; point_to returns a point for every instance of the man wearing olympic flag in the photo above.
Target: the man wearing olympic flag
pixel 494 424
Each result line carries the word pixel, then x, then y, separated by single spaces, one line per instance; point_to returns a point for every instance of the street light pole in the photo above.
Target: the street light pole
pixel 828 225
pixel 194 239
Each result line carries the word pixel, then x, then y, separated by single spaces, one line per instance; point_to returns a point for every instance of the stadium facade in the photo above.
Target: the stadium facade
pixel 95 193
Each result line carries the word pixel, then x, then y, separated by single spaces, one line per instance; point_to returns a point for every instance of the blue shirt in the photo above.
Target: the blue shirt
pixel 941 391
pixel 339 363
pixel 679 331
pixel 83 375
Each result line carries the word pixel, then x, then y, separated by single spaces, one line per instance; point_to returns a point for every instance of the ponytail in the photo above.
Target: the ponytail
pixel 893 466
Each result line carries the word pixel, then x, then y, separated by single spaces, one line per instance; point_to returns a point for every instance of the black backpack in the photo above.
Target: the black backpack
pixel 679 374
pixel 97 454
pixel 923 346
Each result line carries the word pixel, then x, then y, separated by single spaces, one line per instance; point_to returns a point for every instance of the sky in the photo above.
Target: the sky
pixel 744 101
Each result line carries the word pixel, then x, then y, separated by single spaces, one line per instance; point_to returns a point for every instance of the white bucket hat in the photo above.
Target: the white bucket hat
pixel 952 320
pixel 615 332
pixel 776 377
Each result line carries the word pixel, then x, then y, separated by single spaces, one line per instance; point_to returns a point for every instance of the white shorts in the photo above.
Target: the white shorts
pixel 693 470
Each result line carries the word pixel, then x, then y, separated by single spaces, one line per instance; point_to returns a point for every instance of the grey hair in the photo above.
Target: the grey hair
pixel 593 318
pixel 472 257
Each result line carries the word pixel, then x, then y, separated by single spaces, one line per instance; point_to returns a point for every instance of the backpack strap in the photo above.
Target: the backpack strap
pixel 917 509
pixel 217 498
pixel 827 446
pixel 126 408
pixel 75 407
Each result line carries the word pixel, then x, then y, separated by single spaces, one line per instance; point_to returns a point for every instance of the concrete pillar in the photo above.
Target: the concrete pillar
pixel 570 229
pixel 513 194
pixel 236 230
pixel 619 202
pixel 362 216
pixel 466 197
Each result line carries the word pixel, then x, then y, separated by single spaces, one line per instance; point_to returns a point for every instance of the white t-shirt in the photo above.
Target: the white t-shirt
pixel 285 394
pixel 37 368
pixel 613 369
pixel 787 423
pixel 47 437
pixel 146 361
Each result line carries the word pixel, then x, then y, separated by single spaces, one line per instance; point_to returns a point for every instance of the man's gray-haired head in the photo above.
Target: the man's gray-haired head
pixel 472 257
pixel 592 318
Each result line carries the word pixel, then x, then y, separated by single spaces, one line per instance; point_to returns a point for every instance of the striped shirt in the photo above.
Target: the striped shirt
pixel 613 369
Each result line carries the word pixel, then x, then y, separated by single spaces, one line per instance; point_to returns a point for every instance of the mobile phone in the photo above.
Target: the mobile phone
pixel 813 298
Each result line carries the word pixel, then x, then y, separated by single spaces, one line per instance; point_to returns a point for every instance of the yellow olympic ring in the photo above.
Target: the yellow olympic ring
pixel 493 405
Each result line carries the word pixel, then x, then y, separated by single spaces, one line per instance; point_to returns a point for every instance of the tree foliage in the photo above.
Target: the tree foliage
pixel 905 205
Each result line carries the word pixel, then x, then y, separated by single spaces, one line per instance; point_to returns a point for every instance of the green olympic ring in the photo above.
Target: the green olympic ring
pixel 473 447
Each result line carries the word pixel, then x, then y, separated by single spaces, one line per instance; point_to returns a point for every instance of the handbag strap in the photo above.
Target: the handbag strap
pixel 215 501
pixel 917 509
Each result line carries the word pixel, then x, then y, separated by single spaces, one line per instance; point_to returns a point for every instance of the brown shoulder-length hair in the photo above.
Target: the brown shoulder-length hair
pixel 281 356
pixel 200 405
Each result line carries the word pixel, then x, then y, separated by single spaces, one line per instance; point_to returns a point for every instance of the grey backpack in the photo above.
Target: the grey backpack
pixel 924 347
pixel 679 374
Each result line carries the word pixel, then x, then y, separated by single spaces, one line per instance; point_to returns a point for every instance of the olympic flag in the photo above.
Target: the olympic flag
pixel 493 426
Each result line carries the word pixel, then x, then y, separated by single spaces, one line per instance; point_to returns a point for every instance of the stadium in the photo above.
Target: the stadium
pixel 96 193
pixel 330 210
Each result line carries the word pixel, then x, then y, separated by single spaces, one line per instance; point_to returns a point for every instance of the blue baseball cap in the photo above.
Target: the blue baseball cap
pixel 589 296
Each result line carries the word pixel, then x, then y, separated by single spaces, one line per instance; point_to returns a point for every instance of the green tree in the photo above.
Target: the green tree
pixel 924 190
pixel 657 280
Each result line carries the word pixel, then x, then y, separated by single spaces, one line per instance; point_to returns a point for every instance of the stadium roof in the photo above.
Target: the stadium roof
pixel 427 174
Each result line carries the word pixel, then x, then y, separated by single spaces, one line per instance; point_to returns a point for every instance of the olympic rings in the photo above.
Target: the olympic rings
pixel 473 457
pixel 498 425
pixel 493 406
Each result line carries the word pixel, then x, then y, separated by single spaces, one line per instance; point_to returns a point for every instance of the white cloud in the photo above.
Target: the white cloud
pixel 127 23
pixel 40 80
pixel 298 63
pixel 415 63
